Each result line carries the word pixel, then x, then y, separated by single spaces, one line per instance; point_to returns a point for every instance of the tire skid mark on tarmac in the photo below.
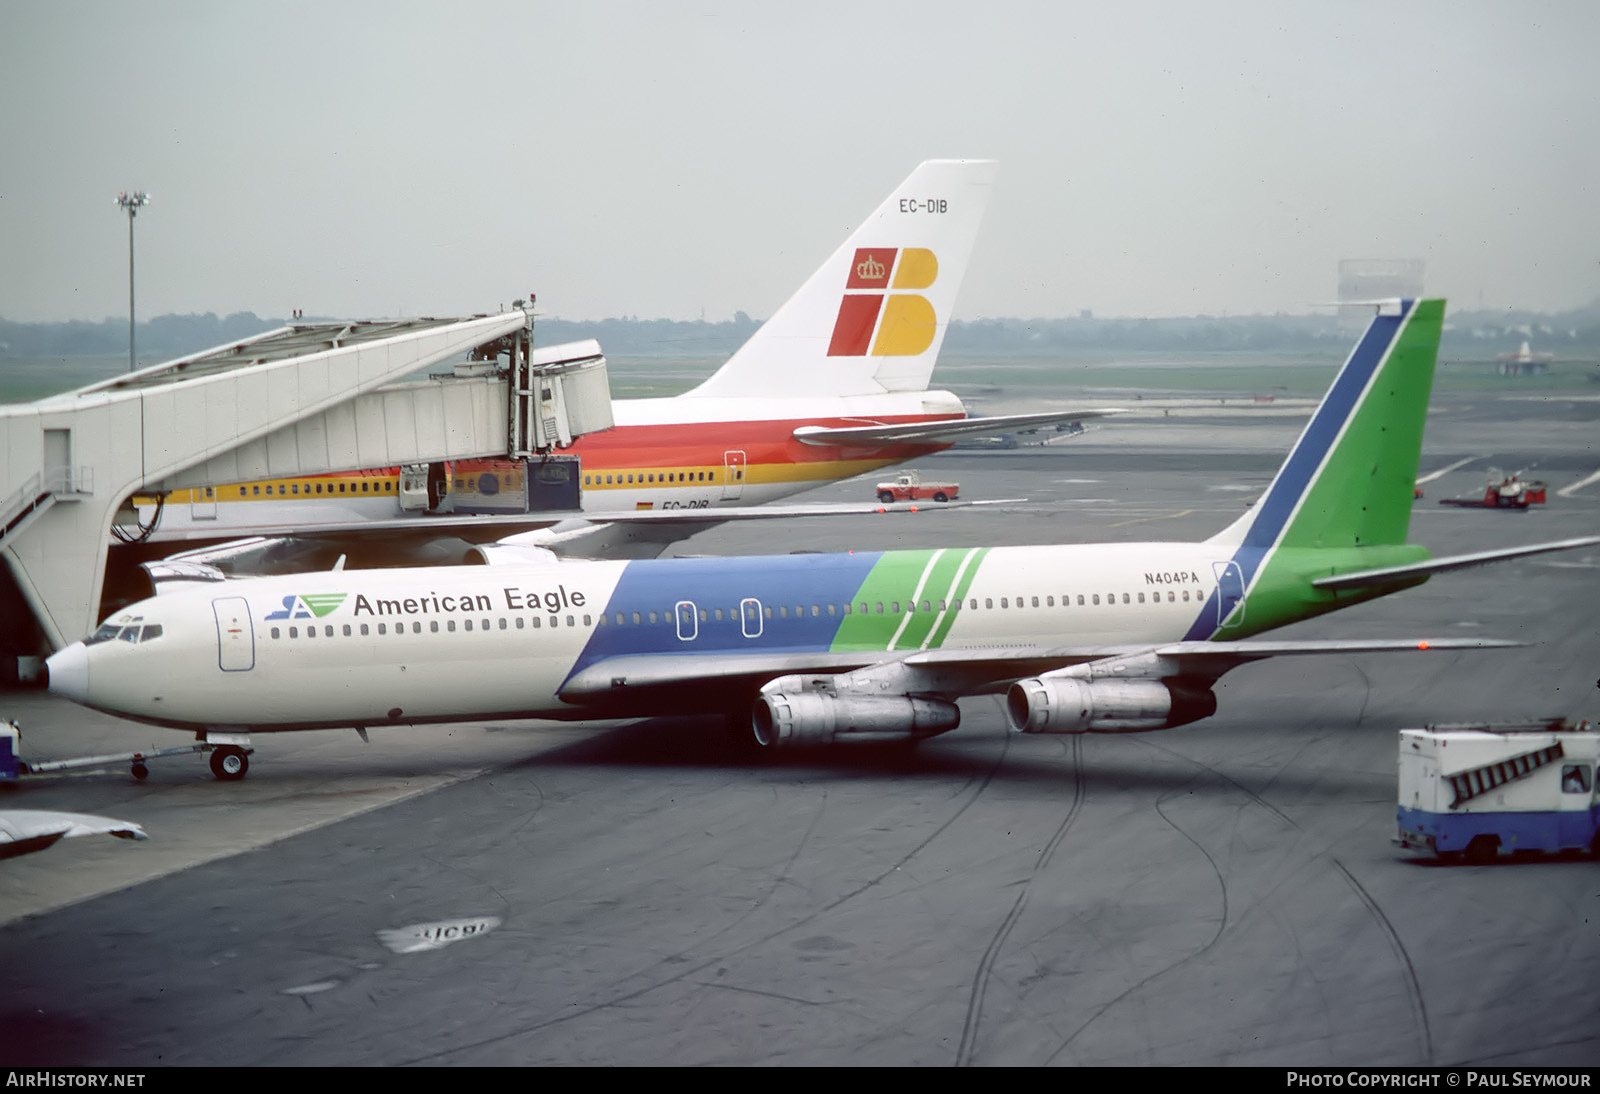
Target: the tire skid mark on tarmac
pixel 1222 923
pixel 977 787
pixel 980 980
pixel 1413 987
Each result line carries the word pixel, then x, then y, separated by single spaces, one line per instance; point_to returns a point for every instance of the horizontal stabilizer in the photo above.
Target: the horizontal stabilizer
pixel 1383 575
pixel 947 430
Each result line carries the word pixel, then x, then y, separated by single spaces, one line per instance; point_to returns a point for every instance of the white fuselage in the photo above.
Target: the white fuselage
pixel 379 647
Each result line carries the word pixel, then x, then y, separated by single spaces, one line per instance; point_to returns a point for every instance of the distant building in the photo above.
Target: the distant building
pixel 1375 279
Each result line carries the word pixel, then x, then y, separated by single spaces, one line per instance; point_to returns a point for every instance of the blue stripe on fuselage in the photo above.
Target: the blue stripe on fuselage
pixel 788 581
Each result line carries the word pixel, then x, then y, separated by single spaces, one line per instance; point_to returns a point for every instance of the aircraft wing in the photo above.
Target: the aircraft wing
pixel 948 430
pixel 961 671
pixel 23 831
pixel 485 528
pixel 447 540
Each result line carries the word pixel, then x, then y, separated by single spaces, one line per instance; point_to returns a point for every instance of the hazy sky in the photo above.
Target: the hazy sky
pixel 665 159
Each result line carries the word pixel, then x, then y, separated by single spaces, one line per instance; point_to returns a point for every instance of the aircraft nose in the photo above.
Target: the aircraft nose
pixel 68 671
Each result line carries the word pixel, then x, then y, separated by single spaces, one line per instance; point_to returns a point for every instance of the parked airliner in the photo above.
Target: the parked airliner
pixel 832 386
pixel 868 646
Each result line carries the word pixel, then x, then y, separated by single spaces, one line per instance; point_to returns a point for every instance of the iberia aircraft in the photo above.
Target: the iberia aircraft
pixel 833 385
pixel 869 646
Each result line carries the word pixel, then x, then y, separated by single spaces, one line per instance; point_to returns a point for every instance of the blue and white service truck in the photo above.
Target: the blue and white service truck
pixel 1478 790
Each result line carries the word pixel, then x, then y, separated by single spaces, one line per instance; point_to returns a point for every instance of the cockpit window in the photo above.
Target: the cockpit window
pixel 127 631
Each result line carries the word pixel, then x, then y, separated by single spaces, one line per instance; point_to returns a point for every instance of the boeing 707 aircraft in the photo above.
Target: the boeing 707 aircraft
pixel 868 646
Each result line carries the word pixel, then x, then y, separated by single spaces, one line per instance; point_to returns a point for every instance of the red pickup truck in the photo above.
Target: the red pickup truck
pixel 909 486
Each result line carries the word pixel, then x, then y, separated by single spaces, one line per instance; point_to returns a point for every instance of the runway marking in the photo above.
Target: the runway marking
pixel 422 937
pixel 311 989
pixel 1567 491
pixel 1443 471
pixel 1142 520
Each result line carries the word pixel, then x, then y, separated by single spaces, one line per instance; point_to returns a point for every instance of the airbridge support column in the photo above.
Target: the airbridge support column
pixel 131 433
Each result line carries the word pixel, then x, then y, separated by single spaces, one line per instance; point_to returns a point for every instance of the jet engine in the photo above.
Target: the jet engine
pixel 1069 704
pixel 798 710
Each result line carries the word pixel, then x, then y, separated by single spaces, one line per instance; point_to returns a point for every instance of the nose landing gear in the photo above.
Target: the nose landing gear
pixel 230 763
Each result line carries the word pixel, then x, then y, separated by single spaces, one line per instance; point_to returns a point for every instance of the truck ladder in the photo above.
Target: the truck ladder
pixel 1480 780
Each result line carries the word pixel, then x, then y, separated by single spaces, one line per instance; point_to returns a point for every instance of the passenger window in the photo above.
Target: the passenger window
pixel 347 630
pixel 275 632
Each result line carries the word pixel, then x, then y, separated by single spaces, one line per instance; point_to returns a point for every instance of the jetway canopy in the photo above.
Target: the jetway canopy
pixel 67 462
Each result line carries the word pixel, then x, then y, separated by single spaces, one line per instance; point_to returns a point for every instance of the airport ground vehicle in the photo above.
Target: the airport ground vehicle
pixel 1510 492
pixel 1477 790
pixel 909 486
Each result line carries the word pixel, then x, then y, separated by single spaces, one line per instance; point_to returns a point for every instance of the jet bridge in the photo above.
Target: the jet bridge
pixel 308 398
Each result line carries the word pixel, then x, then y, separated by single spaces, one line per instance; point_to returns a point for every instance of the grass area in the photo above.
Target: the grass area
pixel 1080 372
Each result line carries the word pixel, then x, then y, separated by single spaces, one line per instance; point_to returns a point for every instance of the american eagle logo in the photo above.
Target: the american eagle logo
pixel 308 606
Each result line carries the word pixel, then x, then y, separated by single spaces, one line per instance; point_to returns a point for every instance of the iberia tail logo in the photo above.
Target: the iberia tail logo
pixel 875 312
pixel 314 605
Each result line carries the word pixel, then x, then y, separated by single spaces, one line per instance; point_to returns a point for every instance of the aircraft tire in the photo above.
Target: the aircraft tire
pixel 229 764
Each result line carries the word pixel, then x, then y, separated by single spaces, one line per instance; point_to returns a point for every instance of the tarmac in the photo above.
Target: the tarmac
pixel 654 892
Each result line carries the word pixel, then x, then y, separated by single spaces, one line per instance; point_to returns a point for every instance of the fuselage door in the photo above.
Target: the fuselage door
pixel 1230 593
pixel 733 463
pixel 203 503
pixel 236 638
pixel 688 621
pixel 750 617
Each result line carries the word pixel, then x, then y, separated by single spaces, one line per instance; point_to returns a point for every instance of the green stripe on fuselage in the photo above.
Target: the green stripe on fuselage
pixel 887 613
